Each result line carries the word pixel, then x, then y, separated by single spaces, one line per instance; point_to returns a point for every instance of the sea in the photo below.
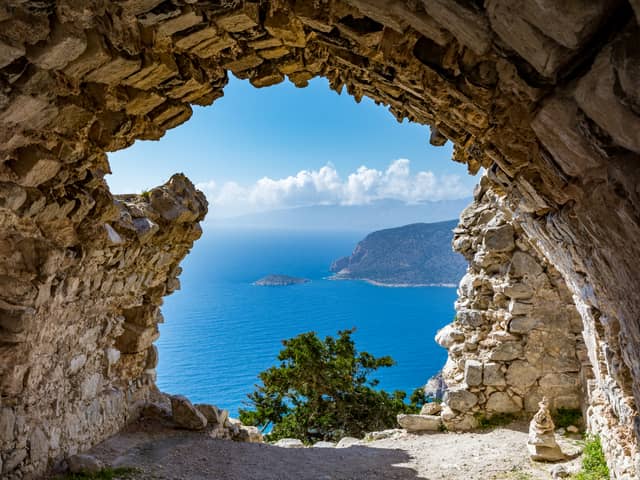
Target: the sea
pixel 220 331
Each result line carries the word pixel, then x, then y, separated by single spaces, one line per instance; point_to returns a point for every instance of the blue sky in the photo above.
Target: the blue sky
pixel 278 147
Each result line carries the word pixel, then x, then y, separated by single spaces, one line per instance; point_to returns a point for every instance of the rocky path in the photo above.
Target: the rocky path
pixel 159 453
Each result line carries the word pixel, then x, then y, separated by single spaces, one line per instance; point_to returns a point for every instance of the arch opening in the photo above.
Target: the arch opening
pixel 560 149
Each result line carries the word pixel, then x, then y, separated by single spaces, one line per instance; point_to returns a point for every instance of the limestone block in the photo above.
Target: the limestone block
pixel 143 103
pixel 197 38
pixel 186 415
pixel 517 308
pixel 8 53
pixel 114 71
pixel 152 75
pixel 519 291
pixel 267 43
pixel 214 46
pixel 248 434
pixel 289 443
pixel 178 24
pixel 35 166
pixel 507 351
pixel 460 399
pixel 12 196
pixel 240 20
pixel 420 423
pixel 472 318
pixel 469 26
pixel 244 63
pixel 324 445
pixel 136 338
pixel 449 336
pixel 38 445
pixel 213 414
pixel 493 375
pixel 473 373
pixel 289 29
pixel 271 53
pixel 555 126
pixel 524 265
pixel 300 79
pixel 152 357
pixel 501 402
pixel 597 95
pixel 94 56
pixel 421 22
pixel 431 408
pixel 62 47
pixel 545 55
pixel 7 425
pixel 499 239
pixel 267 78
pixel 522 374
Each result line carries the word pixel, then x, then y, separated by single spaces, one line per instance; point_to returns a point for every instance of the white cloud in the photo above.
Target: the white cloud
pixel 326 187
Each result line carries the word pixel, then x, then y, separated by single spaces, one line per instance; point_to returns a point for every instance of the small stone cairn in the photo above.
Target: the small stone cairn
pixel 542 443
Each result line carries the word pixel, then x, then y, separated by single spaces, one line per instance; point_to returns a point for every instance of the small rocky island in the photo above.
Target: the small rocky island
pixel 275 280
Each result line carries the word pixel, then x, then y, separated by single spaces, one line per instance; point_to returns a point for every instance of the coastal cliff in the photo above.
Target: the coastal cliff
pixel 412 255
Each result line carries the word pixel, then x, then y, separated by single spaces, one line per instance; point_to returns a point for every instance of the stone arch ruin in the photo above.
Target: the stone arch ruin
pixel 543 94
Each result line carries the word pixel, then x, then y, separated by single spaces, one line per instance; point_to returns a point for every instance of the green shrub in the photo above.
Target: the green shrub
pixel 322 391
pixel 497 420
pixel 563 417
pixel 594 465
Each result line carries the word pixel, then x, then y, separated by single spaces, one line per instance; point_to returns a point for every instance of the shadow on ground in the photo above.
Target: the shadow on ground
pixel 177 454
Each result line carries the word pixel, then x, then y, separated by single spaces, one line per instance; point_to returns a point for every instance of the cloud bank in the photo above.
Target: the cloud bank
pixel 326 187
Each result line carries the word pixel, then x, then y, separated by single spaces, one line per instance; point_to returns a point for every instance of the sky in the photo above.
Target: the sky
pixel 256 150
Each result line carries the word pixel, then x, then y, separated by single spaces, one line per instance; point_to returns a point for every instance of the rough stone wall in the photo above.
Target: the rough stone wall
pixel 76 353
pixel 517 335
pixel 543 94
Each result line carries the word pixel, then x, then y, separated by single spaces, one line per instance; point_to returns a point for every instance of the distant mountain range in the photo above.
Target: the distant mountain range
pixel 416 254
pixel 361 218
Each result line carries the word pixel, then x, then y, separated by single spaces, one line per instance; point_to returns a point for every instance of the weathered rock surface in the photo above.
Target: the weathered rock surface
pixel 544 95
pixel 517 334
pixel 186 415
pixel 420 423
pixel 289 443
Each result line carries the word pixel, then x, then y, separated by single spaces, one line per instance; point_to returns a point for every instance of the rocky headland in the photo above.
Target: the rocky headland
pixel 542 95
pixel 413 255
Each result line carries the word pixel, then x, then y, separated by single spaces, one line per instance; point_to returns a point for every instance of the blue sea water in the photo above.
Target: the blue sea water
pixel 220 331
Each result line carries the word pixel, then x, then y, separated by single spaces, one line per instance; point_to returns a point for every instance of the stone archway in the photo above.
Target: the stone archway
pixel 544 95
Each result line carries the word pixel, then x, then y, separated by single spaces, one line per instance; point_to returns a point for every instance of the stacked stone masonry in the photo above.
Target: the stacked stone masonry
pixel 543 94
pixel 517 336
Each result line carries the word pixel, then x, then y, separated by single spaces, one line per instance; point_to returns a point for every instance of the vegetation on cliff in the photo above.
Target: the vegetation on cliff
pixel 417 254
pixel 322 390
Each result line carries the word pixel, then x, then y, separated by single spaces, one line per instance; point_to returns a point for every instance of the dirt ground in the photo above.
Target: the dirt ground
pixel 158 452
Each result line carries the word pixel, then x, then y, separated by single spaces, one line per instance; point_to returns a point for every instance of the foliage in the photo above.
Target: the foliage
pixel 497 420
pixel 322 391
pixel 146 194
pixel 563 417
pixel 594 465
pixel 121 473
